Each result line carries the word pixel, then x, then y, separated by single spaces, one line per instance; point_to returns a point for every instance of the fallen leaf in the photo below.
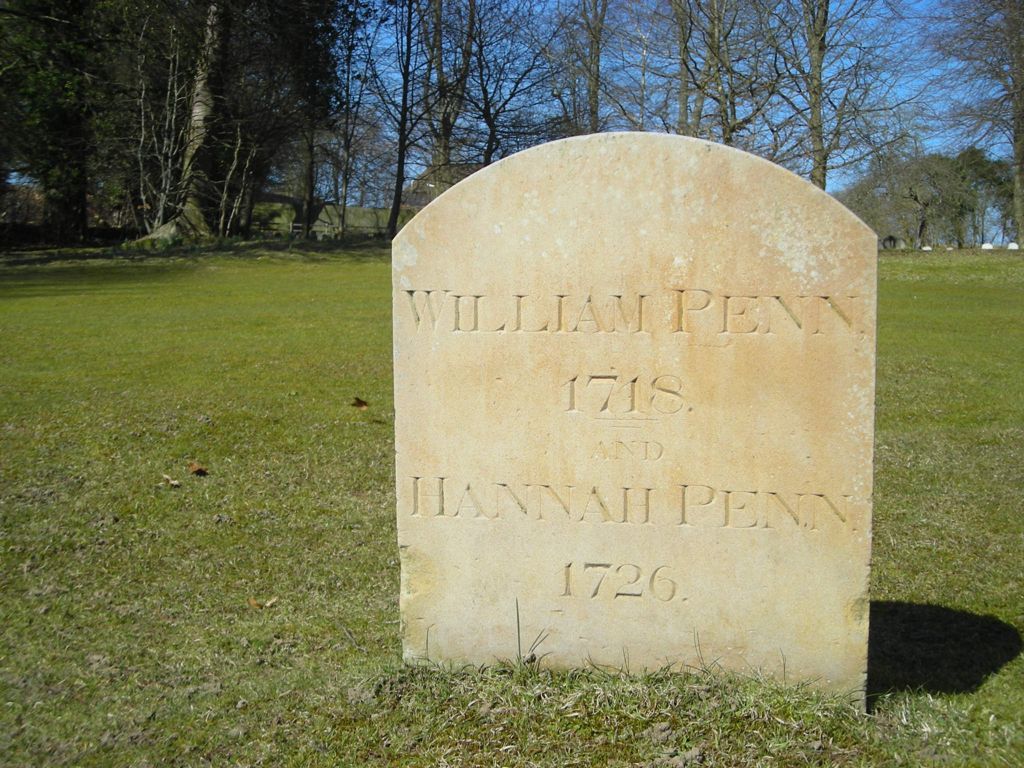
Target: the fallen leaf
pixel 197 469
pixel 254 603
pixel 358 402
pixel 270 602
pixel 168 480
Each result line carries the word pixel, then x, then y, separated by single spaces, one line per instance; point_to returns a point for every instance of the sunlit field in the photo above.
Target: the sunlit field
pixel 198 562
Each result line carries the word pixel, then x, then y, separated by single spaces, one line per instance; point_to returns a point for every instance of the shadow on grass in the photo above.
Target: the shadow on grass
pixel 75 278
pixel 354 248
pixel 66 271
pixel 920 647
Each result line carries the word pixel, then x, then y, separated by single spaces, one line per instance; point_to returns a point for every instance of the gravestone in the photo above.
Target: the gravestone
pixel 634 393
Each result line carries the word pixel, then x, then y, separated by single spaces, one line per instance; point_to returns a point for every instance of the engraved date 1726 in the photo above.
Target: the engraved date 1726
pixel 612 580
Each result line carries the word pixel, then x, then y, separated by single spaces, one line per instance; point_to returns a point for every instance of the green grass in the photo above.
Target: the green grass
pixel 128 632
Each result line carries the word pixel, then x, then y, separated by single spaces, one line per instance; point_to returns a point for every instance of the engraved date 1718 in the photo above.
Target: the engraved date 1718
pixel 612 394
pixel 612 580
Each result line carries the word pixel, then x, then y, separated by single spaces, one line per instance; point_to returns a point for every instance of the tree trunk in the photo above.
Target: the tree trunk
pixel 403 123
pixel 396 198
pixel 191 219
pixel 65 211
pixel 194 168
pixel 718 53
pixel 594 12
pixel 815 31
pixel 1018 166
pixel 681 16
pixel 309 185
pixel 449 84
pixel 1013 13
pixel 341 194
pixel 492 143
pixel 343 208
pixel 65 128
pixel 248 204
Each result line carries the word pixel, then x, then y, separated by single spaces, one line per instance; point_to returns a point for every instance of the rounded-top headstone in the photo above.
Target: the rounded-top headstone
pixel 986 246
pixel 1012 246
pixel 634 388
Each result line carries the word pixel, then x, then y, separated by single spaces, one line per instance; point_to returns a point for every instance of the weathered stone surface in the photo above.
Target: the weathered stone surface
pixel 634 393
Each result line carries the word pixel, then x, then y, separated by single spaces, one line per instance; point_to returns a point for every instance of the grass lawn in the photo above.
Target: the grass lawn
pixel 152 617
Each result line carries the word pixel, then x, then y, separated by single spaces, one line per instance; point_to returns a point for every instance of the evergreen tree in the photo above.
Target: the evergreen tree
pixel 49 83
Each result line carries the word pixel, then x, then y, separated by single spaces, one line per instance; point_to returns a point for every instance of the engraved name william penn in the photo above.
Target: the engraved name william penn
pixel 676 310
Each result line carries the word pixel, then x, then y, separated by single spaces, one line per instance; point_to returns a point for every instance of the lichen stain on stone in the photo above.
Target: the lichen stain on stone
pixel 418 574
pixel 405 254
pixel 417 585
pixel 858 610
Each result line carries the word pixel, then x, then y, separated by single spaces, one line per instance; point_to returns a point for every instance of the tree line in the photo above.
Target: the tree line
pixel 170 118
pixel 921 199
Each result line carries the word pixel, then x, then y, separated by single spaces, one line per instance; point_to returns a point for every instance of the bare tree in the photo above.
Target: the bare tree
pixel 161 128
pixel 449 29
pixel 705 68
pixel 681 22
pixel 738 75
pixel 356 37
pixel 511 75
pixel 981 44
pixel 584 34
pixel 190 219
pixel 641 74
pixel 921 198
pixel 841 84
pixel 400 66
pixel 218 101
pixel 592 21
